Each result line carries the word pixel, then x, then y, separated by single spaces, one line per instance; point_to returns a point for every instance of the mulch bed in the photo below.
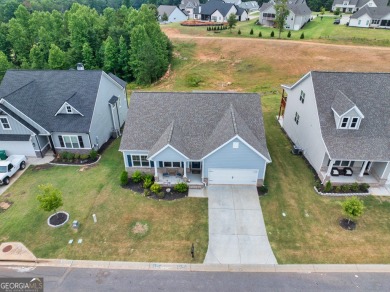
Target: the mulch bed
pixel 202 23
pixel 347 224
pixel 58 219
pixel 168 196
pixel 75 162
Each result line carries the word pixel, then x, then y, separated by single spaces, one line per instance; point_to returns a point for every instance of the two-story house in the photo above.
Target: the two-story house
pixel 351 6
pixel 341 122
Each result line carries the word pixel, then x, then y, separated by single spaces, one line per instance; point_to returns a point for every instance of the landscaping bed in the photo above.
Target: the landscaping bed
pixel 202 23
pixel 347 189
pixel 76 158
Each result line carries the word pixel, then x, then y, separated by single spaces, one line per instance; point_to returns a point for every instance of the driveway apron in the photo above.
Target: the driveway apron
pixel 237 233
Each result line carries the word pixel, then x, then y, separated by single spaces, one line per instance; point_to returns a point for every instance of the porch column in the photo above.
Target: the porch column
pixel 331 163
pixel 363 168
pixel 185 168
pixel 155 169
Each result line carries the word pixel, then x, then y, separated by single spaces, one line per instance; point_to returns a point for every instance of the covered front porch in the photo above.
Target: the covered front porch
pixel 340 172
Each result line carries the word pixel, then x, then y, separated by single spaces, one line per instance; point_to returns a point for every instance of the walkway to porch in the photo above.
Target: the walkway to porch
pixel 192 179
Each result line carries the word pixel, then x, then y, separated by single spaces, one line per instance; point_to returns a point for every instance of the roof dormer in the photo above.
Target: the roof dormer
pixel 346 114
pixel 67 109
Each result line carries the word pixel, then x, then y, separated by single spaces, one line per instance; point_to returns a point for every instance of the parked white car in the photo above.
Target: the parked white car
pixel 10 166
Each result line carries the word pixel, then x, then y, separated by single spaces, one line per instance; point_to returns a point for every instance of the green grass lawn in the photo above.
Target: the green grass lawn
pixel 319 30
pixel 173 226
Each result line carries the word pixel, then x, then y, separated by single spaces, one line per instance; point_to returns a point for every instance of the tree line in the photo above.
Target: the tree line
pixel 126 41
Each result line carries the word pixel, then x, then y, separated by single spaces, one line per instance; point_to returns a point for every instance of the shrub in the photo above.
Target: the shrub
pixel 64 155
pixel 193 80
pixel 364 187
pixel 84 156
pixel 251 32
pixel 147 193
pixel 263 189
pixel 77 156
pixel 146 176
pixel 302 36
pixel 181 187
pixel 345 188
pixel 136 176
pixel 328 187
pixel 155 188
pixel 147 183
pixel 354 187
pixel 337 189
pixel 289 34
pixel 272 34
pixel 260 34
pixel 93 154
pixel 337 11
pixel 239 31
pixel 70 156
pixel 160 195
pixel 124 178
pixel 318 184
pixel 352 208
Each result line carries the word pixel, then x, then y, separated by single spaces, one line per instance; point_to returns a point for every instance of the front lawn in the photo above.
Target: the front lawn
pixel 171 226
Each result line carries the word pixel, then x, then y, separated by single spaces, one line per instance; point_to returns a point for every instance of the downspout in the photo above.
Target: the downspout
pixel 113 119
pixel 119 121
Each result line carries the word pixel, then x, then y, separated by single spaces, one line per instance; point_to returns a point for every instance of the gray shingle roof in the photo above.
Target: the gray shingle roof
pixel 265 6
pixel 188 3
pixel 371 94
pixel 40 94
pixel 373 12
pixel 341 103
pixel 298 7
pixel 211 6
pixel 20 120
pixel 168 9
pixel 249 5
pixel 195 123
pixel 9 137
pixel 340 2
pixel 118 80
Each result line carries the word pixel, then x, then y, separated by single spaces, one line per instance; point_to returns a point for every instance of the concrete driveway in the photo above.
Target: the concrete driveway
pixel 237 232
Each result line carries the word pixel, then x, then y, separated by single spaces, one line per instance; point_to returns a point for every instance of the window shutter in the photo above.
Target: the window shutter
pixel 151 163
pixel 61 141
pixel 81 143
pixel 182 164
pixel 160 164
pixel 129 161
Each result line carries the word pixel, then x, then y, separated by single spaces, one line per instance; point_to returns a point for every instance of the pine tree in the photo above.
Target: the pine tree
pixel 302 36
pixel 251 32
pixel 260 34
pixel 88 58
pixel 110 55
pixel 289 34
pixel 272 34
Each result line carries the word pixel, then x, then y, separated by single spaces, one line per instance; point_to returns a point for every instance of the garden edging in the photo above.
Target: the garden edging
pixel 340 194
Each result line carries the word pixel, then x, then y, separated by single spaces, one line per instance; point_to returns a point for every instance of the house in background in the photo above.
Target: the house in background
pixel 340 120
pixel 299 14
pixel 200 138
pixel 376 17
pixel 219 11
pixel 188 7
pixel 173 13
pixel 351 6
pixel 248 6
pixel 62 110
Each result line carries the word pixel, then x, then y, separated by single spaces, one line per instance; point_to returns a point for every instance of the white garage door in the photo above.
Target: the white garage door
pixel 18 148
pixel 232 176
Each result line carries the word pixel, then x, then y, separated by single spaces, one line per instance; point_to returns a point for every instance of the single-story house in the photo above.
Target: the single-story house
pixel 351 6
pixel 340 120
pixel 62 110
pixel 188 7
pixel 219 11
pixel 377 17
pixel 173 13
pixel 198 137
pixel 299 14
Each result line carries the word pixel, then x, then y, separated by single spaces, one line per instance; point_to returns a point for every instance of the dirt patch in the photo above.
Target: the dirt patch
pixel 347 224
pixel 41 167
pixel 140 228
pixel 5 205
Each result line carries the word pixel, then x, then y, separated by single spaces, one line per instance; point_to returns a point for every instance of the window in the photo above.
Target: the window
pixel 68 109
pixel 367 22
pixel 359 22
pixel 140 160
pixel 344 163
pixel 74 142
pixel 344 123
pixel 172 164
pixel 136 160
pixel 296 119
pixel 302 96
pixel 354 123
pixel 375 21
pixel 5 123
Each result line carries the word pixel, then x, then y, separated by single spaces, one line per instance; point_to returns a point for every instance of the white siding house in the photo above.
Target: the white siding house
pixel 173 13
pixel 371 17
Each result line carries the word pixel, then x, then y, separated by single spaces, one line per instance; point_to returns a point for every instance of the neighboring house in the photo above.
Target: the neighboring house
pixel 219 11
pixel 378 17
pixel 299 14
pixel 249 5
pixel 62 110
pixel 188 7
pixel 341 120
pixel 173 13
pixel 208 138
pixel 351 6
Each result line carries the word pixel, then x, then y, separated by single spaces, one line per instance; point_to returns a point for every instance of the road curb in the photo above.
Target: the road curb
pixel 187 267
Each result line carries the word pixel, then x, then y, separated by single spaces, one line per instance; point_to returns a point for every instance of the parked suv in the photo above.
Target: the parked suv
pixel 336 21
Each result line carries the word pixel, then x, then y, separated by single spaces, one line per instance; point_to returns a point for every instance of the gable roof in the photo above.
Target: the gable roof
pixel 189 3
pixel 39 94
pixel 298 7
pixel 194 123
pixel 370 92
pixel 249 5
pixel 118 80
pixel 373 12
pixel 168 9
pixel 341 103
pixel 211 6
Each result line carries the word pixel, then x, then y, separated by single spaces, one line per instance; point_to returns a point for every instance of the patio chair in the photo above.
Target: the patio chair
pixel 165 173
pixel 179 174
pixel 335 171
pixel 347 171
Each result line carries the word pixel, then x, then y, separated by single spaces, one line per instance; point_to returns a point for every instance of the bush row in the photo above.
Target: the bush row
pixel 346 188
pixel 220 27
pixel 71 157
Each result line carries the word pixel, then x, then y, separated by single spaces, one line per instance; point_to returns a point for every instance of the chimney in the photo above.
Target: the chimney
pixel 80 67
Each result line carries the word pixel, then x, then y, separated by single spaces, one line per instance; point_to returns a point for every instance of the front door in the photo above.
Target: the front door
pixel 196 166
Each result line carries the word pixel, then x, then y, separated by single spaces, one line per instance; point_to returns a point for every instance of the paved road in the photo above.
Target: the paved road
pixel 237 233
pixel 85 279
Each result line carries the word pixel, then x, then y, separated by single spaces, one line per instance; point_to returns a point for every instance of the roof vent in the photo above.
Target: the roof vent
pixel 80 67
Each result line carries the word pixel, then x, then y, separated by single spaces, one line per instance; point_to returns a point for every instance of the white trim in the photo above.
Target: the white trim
pixel 334 111
pixel 78 142
pixel 94 106
pixel 263 178
pixel 387 166
pixel 115 83
pixel 72 148
pixel 8 123
pixel 356 109
pixel 243 141
pixel 140 161
pixel 296 83
pixel 73 110
pixel 165 147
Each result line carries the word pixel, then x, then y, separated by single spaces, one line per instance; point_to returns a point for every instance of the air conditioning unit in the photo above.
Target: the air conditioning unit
pixel 297 150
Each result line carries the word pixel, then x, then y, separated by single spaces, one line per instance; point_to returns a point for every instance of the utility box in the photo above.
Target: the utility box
pixel 3 155
pixel 297 150
pixel 75 224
